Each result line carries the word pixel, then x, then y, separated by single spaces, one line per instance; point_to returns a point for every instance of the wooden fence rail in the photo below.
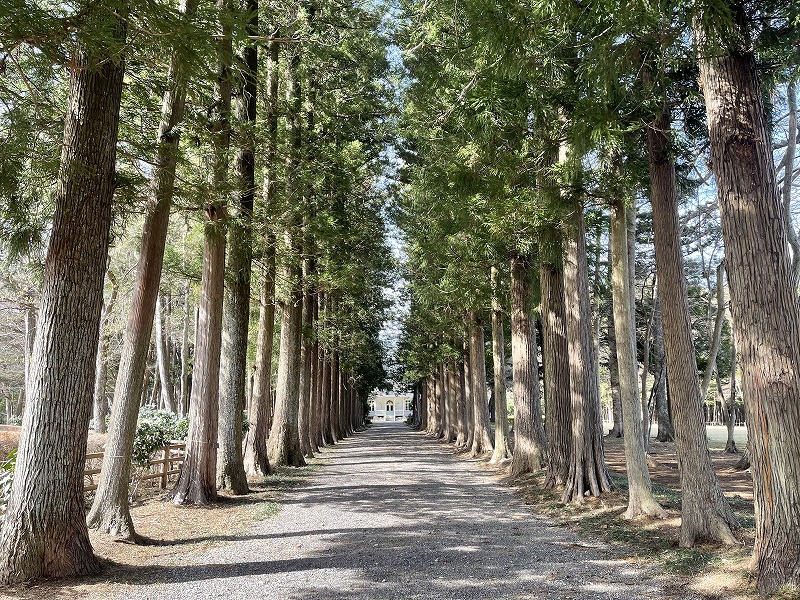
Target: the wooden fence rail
pixel 172 454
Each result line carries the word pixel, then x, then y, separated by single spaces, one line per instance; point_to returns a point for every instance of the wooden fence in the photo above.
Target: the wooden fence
pixel 172 454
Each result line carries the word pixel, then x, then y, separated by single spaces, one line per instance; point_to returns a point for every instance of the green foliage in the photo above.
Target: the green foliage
pixel 154 430
pixel 6 480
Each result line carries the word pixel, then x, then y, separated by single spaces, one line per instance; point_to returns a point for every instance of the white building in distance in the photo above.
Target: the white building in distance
pixel 390 408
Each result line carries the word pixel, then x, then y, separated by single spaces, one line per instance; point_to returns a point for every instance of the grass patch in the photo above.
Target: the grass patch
pixel 266 510
pixel 786 592
pixel 288 477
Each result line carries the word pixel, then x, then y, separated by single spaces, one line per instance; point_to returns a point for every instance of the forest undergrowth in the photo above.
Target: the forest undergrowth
pixel 716 572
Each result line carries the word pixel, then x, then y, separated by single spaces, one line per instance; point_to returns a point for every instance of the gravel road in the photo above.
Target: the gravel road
pixel 393 515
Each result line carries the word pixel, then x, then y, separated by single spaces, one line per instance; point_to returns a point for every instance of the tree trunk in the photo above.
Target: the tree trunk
pixel 481 441
pixel 184 390
pixel 469 402
pixel 587 469
pixel 316 368
pixel 444 405
pixel 501 451
pixel 325 393
pixel 423 403
pixel 665 431
pixel 319 374
pixel 256 459
pixel 530 448
pixel 730 420
pixel 162 358
pixel 640 489
pixel 197 481
pixel 716 336
pixel 101 368
pixel 327 399
pixel 644 405
pixel 789 175
pixel 461 399
pixel 335 398
pixel 284 439
pixel 558 408
pixel 764 304
pixel 343 401
pixel 45 534
pixel 433 405
pixel 705 512
pixel 30 337
pixel 613 376
pixel 236 307
pixel 110 512
pixel 453 401
pixel 304 415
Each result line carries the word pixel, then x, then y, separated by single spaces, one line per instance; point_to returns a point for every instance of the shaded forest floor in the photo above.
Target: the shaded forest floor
pixel 711 571
pixel 171 531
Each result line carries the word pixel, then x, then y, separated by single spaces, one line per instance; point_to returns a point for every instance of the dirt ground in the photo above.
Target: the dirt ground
pixel 664 467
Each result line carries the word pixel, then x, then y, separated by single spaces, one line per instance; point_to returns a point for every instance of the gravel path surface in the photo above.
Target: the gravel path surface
pixel 393 515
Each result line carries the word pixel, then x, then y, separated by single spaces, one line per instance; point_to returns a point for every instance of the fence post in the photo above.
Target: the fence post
pixel 165 467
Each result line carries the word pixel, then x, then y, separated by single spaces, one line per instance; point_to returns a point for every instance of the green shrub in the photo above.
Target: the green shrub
pixel 6 479
pixel 154 430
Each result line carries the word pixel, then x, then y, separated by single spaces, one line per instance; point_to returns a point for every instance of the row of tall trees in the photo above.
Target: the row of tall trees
pixel 244 143
pixel 534 135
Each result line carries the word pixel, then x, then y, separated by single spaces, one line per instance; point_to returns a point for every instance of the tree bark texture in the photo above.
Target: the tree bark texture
pixel 469 402
pixel 101 368
pixel 184 389
pixel 730 422
pixel 284 440
pixel 453 401
pixel 316 368
pixel 446 383
pixel 110 512
pixel 481 441
pixel 766 314
pixel 665 430
pixel 325 392
pixel 501 449
pixel 716 335
pixel 423 403
pixel 304 414
pixel 705 513
pixel 197 481
pixel 45 533
pixel 343 401
pixel 162 358
pixel 461 399
pixel 231 473
pixel 256 458
pixel 587 469
pixel 530 449
pixel 558 407
pixel 640 489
